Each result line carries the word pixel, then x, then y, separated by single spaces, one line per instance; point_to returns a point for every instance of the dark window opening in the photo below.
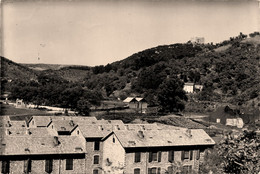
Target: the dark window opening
pixel 171 156
pixel 137 157
pixel 187 169
pixel 96 145
pixel 137 171
pixel 27 166
pixel 96 159
pixel 198 155
pixel 155 156
pixel 69 164
pixel 48 165
pixel 95 171
pixel 5 166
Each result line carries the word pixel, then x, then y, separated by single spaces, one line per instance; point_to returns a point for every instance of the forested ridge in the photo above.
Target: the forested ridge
pixel 228 72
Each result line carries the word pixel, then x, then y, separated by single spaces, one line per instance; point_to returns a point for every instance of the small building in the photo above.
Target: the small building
pixel 198 87
pixel 235 122
pixel 136 103
pixel 197 40
pixel 188 87
pixel 20 104
pixel 154 151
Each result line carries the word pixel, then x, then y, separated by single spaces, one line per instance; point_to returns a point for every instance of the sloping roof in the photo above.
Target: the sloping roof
pixel 188 84
pixel 95 131
pixel 159 138
pixel 22 131
pixel 16 123
pixel 140 99
pixel 129 99
pixel 64 125
pixel 30 145
pixel 43 121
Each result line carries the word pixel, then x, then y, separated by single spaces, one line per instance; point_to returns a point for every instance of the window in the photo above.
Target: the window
pixel 170 170
pixel 155 156
pixel 137 157
pixel 171 156
pixel 198 155
pixel 114 140
pixel 186 154
pixel 187 169
pixel 5 166
pixel 48 165
pixel 96 145
pixel 152 170
pixel 137 171
pixel 95 171
pixel 69 164
pixel 96 159
pixel 27 166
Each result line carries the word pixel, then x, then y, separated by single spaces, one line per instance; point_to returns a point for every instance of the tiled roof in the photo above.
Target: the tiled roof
pixel 94 130
pixel 30 145
pixel 157 138
pixel 43 121
pixel 188 84
pixel 64 125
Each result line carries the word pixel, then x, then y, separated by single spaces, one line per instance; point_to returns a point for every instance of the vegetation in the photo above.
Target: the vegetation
pixel 225 70
pixel 234 154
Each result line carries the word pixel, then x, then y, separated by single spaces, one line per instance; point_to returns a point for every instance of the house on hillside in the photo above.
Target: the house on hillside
pixel 20 104
pixel 235 122
pixel 136 103
pixel 197 40
pixel 198 88
pixel 188 87
pixel 154 151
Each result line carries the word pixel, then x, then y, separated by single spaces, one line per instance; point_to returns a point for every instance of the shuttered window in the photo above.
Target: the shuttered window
pixel 27 166
pixel 159 170
pixel 191 154
pixel 187 169
pixel 198 155
pixel 69 164
pixel 171 156
pixel 5 166
pixel 137 157
pixel 137 171
pixel 170 170
pixel 159 156
pixel 185 155
pixel 48 165
pixel 96 159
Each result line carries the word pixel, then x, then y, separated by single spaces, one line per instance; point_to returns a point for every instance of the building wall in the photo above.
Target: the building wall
pixel 90 166
pixel 133 105
pixel 188 88
pixel 164 164
pixel 113 156
pixel 38 165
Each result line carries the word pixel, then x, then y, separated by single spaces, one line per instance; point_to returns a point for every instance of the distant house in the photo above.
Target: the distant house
pixel 235 122
pixel 188 87
pixel 136 103
pixel 197 40
pixel 198 87
pixel 20 104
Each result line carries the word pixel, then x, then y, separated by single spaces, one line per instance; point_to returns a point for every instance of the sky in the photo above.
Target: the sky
pixel 97 32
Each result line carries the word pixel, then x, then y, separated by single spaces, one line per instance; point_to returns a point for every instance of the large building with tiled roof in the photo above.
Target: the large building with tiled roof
pixel 68 145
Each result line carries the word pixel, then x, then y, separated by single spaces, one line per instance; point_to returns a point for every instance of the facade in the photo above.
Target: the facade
pixel 90 146
pixel 155 151
pixel 20 104
pixel 188 87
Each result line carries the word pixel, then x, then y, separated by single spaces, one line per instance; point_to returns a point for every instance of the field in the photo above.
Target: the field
pixel 12 111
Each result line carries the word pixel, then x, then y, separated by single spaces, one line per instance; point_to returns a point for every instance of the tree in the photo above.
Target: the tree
pixel 171 95
pixel 83 107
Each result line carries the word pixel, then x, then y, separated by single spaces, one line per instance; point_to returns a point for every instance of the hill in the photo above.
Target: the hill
pixel 226 71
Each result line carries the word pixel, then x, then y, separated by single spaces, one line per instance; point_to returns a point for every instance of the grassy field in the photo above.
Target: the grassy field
pixel 11 110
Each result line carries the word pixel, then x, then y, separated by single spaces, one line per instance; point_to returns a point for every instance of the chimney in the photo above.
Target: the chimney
pixel 28 132
pixel 188 133
pixel 140 134
pixel 56 141
pixel 100 127
pixel 8 132
pixel 72 123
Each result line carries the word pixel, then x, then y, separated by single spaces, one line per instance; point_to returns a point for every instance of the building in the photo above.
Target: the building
pixel 198 87
pixel 197 40
pixel 20 104
pixel 155 151
pixel 136 103
pixel 188 87
pixel 235 122
pixel 65 145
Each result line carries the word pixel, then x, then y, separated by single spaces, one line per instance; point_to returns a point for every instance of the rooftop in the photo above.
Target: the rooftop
pixel 158 138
